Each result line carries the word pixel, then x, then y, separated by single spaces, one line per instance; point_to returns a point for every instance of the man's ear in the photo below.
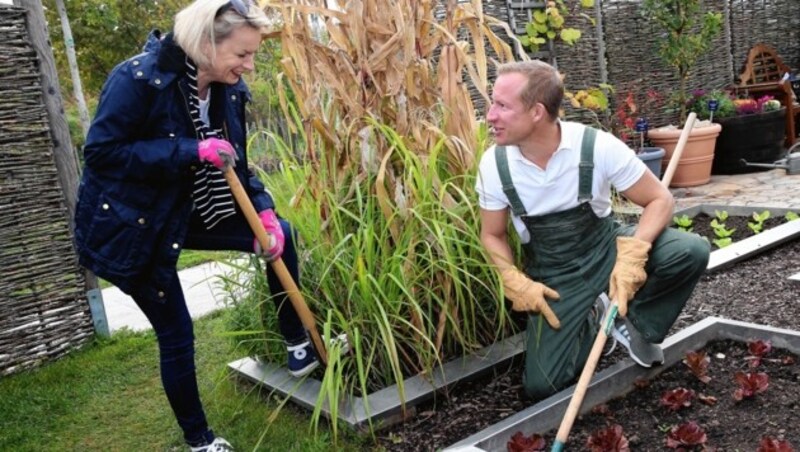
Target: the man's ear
pixel 539 112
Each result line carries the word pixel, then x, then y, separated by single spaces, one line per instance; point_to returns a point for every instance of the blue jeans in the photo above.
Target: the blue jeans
pixel 173 324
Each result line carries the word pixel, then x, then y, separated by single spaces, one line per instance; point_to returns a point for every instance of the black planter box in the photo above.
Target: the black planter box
pixel 756 138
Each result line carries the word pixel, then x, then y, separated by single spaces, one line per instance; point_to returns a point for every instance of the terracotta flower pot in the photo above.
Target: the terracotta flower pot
pixel 694 167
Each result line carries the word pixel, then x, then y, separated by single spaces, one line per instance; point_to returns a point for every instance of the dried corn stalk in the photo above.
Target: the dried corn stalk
pixel 386 62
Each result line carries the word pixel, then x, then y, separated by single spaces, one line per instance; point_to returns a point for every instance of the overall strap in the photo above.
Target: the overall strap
pixel 505 178
pixel 586 165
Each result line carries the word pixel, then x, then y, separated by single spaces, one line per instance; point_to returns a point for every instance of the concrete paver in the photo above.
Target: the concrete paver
pixel 200 286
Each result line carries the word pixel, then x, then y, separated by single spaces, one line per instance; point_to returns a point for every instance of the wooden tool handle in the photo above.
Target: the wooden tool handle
pixel 676 154
pixel 288 283
pixel 583 381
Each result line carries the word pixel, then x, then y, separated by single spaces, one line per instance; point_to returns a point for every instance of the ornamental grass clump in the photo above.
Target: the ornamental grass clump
pixel 378 184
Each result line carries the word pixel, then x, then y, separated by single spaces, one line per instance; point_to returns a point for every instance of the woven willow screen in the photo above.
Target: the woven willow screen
pixel 630 41
pixel 43 308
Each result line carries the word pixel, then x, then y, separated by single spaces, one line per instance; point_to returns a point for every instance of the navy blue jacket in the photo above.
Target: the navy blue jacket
pixel 134 199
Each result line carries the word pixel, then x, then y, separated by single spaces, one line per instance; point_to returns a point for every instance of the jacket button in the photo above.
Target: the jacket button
pixel 142 221
pixel 160 294
pixel 233 96
pixel 158 81
pixel 105 206
pixel 175 246
pixel 172 135
pixel 135 62
pixel 139 73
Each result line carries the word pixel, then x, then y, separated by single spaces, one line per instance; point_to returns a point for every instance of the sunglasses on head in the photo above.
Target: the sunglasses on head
pixel 240 6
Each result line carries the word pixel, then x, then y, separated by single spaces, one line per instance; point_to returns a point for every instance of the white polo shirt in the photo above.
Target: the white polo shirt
pixel 555 189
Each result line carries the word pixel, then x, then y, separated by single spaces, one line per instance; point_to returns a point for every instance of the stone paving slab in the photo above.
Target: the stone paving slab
pixel 200 286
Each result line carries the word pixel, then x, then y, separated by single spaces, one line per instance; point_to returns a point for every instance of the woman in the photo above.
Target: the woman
pixel 169 121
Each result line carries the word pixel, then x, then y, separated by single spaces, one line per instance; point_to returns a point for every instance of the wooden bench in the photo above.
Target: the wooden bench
pixel 763 75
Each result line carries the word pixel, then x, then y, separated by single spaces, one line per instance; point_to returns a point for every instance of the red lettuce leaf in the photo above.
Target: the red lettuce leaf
pixel 750 384
pixel 677 398
pixel 688 434
pixel 522 443
pixel 610 439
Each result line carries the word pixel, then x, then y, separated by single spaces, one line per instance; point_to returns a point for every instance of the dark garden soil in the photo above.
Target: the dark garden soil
pixel 756 290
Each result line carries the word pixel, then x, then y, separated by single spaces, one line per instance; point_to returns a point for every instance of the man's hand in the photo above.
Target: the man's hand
pixel 528 295
pixel 217 152
pixel 628 274
pixel 275 233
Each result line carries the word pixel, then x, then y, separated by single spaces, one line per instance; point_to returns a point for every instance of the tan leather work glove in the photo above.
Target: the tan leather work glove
pixel 529 296
pixel 628 274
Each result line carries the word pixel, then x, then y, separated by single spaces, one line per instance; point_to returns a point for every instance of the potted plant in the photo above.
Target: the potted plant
pixel 688 35
pixel 752 129
pixel 631 121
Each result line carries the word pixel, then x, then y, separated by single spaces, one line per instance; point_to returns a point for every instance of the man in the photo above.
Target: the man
pixel 555 179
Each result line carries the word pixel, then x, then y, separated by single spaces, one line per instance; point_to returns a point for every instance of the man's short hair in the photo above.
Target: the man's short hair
pixel 544 84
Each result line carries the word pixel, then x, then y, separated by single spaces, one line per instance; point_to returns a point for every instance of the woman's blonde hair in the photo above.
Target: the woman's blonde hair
pixel 198 27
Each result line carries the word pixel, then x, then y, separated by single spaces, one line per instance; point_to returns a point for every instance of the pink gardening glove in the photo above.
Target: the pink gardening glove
pixel 217 152
pixel 275 232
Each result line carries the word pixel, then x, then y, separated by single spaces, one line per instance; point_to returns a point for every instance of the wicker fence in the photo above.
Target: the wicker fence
pixel 43 308
pixel 630 42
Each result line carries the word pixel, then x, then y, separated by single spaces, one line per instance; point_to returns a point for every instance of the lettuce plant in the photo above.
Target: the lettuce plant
pixel 683 222
pixel 768 444
pixel 757 225
pixel 686 436
pixel 758 349
pixel 521 443
pixel 676 399
pixel 610 439
pixel 750 384
pixel 722 232
pixel 698 364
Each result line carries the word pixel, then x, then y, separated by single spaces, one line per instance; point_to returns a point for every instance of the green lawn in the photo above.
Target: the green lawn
pixel 108 397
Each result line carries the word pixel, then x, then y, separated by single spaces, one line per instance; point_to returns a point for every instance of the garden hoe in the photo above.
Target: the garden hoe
pixel 586 375
pixel 611 316
pixel 306 317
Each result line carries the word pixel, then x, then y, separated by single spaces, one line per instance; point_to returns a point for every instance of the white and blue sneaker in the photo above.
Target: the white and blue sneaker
pixel 303 358
pixel 218 445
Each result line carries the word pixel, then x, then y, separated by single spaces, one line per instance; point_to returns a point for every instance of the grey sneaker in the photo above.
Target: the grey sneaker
pixel 597 314
pixel 644 353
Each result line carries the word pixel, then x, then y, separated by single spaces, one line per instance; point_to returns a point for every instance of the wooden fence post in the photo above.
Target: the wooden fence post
pixel 66 158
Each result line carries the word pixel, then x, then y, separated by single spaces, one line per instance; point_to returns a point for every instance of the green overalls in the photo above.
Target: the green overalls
pixel 573 252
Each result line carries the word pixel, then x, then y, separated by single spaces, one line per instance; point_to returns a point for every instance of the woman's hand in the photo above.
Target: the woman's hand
pixel 275 232
pixel 217 152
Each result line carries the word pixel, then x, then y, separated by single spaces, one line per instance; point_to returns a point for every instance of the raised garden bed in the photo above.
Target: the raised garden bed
pixel 623 377
pixel 647 418
pixel 448 407
pixel 756 290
